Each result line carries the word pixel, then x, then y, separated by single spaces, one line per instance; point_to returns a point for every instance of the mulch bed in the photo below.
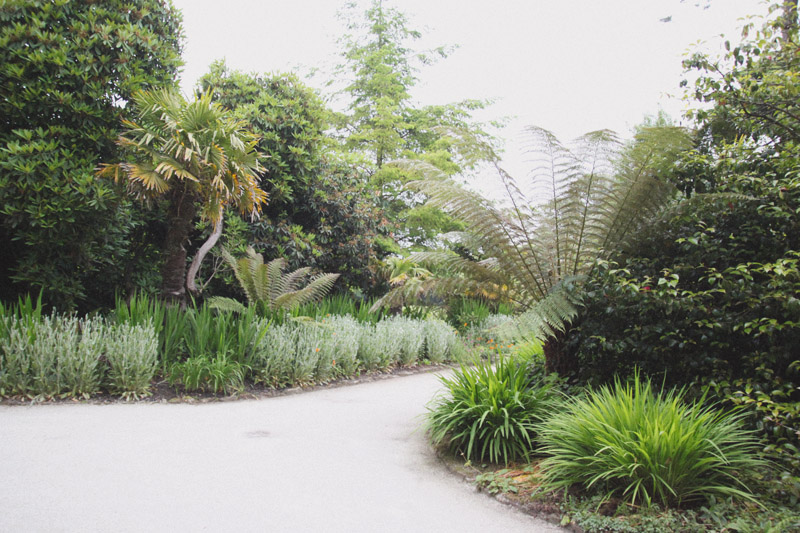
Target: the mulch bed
pixel 544 507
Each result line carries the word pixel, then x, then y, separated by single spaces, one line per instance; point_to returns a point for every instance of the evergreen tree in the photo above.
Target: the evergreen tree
pixel 67 70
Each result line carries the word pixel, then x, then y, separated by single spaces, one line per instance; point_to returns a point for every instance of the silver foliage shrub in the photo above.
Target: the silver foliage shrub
pixel 439 340
pixel 56 355
pixel 410 337
pixel 132 354
pixel 339 347
pixel 272 359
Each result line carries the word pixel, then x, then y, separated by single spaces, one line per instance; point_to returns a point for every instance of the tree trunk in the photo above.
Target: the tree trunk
pixel 191 276
pixel 180 217
pixel 555 358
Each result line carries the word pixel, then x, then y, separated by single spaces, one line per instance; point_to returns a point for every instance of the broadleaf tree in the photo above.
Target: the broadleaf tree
pixel 67 69
pixel 321 213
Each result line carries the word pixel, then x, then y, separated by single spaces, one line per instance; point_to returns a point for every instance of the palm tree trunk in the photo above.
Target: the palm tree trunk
pixel 180 217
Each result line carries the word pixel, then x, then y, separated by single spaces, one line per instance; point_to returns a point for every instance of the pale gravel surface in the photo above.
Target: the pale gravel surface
pixel 342 459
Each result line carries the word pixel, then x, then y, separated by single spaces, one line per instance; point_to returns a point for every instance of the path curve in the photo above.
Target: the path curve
pixel 341 459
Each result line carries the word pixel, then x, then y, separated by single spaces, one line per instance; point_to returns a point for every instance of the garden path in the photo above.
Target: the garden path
pixel 341 459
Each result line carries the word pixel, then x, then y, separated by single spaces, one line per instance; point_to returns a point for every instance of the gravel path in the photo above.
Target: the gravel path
pixel 342 459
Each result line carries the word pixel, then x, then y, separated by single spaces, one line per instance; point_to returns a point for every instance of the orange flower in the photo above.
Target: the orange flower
pixel 334 362
pixel 317 349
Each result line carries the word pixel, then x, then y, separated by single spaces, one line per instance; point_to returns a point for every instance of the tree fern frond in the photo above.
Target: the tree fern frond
pixel 266 284
pixel 587 201
pixel 226 304
pixel 546 317
pixel 314 291
pixel 292 280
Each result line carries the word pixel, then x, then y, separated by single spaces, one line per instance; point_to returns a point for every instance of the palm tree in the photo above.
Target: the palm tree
pixel 266 285
pixel 199 159
pixel 592 200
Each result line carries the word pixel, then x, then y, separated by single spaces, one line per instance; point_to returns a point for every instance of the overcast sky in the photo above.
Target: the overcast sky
pixel 571 66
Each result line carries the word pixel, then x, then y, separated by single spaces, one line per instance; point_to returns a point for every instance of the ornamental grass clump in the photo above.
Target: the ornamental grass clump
pixel 644 447
pixel 219 373
pixel 489 412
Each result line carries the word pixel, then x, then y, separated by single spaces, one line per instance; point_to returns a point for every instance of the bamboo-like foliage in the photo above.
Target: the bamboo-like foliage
pixel 581 204
pixel 266 284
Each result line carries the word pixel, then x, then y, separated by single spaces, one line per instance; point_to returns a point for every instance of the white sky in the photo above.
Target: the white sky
pixel 571 66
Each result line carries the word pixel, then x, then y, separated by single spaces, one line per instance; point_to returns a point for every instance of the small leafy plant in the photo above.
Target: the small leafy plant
pixel 212 374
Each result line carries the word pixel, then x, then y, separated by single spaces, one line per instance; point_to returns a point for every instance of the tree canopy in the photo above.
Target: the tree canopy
pixel 67 71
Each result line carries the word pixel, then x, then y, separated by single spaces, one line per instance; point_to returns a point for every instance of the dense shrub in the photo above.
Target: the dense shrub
pixel 59 355
pixel 647 447
pixel 132 355
pixel 441 341
pixel 67 70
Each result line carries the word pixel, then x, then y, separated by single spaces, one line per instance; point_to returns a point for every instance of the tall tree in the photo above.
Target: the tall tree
pixel 383 121
pixel 199 159
pixel 67 69
pixel 321 212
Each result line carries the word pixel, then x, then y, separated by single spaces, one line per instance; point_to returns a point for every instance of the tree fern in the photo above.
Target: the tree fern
pixel 580 204
pixel 265 284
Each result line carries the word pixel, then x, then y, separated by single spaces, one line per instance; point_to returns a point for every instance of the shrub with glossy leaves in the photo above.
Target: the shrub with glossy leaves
pixel 66 70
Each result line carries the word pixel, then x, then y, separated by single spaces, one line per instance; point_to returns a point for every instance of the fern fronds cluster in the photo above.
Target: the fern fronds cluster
pixel 267 285
pixel 579 204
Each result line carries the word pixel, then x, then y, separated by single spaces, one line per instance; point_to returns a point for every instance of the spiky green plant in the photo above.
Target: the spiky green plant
pixel 217 373
pixel 643 446
pixel 489 411
pixel 581 204
pixel 268 287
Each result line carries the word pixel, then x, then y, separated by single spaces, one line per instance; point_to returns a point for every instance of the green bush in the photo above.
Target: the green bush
pixel 341 342
pixel 489 411
pixel 411 340
pixel 132 355
pixel 58 355
pixel 67 70
pixel 218 373
pixel 51 356
pixel 440 340
pixel 273 357
pixel 646 447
